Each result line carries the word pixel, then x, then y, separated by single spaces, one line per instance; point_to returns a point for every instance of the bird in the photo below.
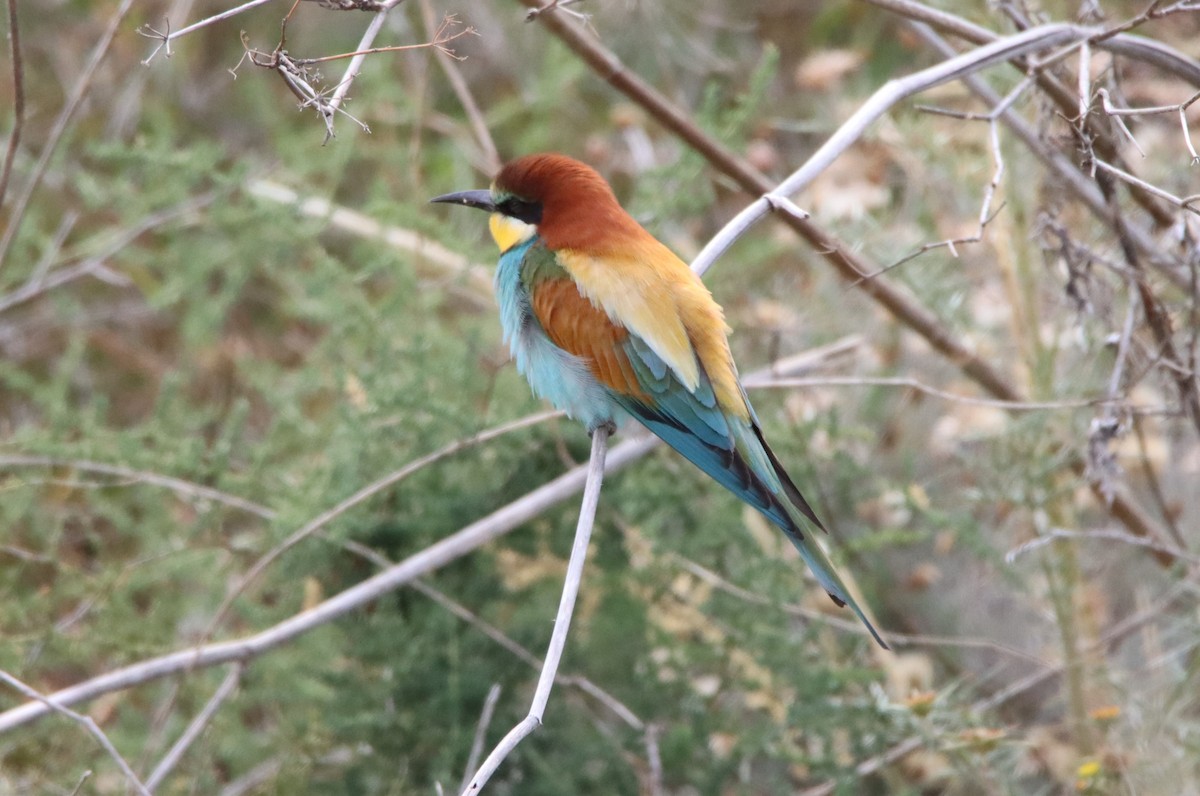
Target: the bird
pixel 605 321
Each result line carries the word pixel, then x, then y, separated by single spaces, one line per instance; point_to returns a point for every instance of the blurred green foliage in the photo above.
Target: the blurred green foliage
pixel 236 343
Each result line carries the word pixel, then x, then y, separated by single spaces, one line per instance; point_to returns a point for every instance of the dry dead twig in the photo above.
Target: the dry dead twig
pixel 62 122
pixel 87 722
pixel 195 727
pixel 296 73
pixel 18 67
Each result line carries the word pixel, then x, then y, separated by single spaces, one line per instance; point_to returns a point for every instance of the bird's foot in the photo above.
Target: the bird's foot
pixel 609 426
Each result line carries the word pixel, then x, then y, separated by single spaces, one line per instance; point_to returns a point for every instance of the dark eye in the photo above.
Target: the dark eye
pixel 529 212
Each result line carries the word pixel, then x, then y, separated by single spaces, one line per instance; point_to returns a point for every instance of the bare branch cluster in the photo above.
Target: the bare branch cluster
pixel 305 83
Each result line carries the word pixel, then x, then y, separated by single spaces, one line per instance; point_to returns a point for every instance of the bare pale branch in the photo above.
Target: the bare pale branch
pixel 195 727
pixel 437 555
pixel 89 724
pixel 562 622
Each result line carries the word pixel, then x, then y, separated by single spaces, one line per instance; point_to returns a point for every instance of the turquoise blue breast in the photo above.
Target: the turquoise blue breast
pixel 554 374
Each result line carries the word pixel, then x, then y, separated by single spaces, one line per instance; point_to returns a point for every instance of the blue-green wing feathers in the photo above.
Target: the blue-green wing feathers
pixel 733 452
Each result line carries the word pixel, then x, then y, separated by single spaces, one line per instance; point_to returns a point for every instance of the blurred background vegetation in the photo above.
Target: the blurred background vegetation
pixel 162 316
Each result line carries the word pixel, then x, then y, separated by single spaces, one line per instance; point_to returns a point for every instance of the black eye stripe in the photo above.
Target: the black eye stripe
pixel 529 212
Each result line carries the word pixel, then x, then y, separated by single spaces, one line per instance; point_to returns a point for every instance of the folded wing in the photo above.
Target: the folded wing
pixel 728 446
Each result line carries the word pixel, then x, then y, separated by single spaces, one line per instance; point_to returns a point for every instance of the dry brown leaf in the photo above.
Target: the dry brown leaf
pixel 853 185
pixel 926 769
pixel 519 572
pixel 313 593
pixel 356 393
pixel 104 709
pixel 823 70
pixel 922 576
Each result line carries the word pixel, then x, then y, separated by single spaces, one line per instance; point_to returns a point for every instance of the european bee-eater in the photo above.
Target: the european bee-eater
pixel 604 320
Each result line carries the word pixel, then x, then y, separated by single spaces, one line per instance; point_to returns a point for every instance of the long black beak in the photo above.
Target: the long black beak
pixel 477 199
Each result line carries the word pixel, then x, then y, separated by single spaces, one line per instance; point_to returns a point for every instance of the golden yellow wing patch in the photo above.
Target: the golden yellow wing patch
pixel 637 295
pixel 656 296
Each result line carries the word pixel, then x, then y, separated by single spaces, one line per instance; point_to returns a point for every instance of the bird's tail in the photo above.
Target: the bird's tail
pixel 822 568
pixel 799 522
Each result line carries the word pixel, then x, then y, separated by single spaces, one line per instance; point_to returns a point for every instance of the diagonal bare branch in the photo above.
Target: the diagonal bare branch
pixel 87 722
pixel 449 549
pixel 433 557
pixel 18 67
pixel 562 622
pixel 195 727
pixel 367 492
pixel 851 265
pixel 80 90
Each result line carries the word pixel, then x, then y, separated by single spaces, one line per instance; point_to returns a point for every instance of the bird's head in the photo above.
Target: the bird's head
pixel 563 201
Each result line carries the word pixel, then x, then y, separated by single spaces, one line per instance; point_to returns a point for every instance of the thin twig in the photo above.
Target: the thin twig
pixel 87 722
pixel 65 225
pixel 42 281
pixel 985 213
pixel 352 69
pixel 562 622
pixel 439 41
pixel 485 720
pixel 811 615
pixel 495 634
pixel 870 765
pixel 1100 533
pixel 556 5
pixel 256 779
pixel 84 777
pixel 1117 114
pixel 618 708
pixel 1155 484
pixel 872 381
pixel 50 146
pixel 166 37
pixel 197 725
pixel 426 560
pixel 45 283
pixel 1085 81
pixel 179 486
pixel 367 492
pixel 1187 203
pixel 653 759
pixel 1113 110
pixel 18 66
pixel 1187 134
pixel 449 66
pixel 1155 10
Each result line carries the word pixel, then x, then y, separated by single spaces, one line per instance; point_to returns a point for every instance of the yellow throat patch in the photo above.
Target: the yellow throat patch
pixel 508 231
